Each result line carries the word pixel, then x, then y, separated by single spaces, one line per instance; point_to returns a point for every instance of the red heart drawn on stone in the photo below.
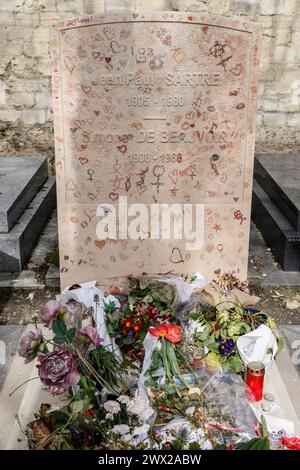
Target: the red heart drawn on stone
pixel 113 196
pixel 217 272
pixel 109 32
pixel 100 243
pixel 96 54
pixel 141 189
pixel 86 89
pixel 176 256
pixel 83 160
pixel 140 264
pixel 92 196
pixel 237 70
pixel 173 175
pixel 70 63
pixel 96 112
pixel 83 147
pixel 117 47
pixel 59 139
pixel 122 148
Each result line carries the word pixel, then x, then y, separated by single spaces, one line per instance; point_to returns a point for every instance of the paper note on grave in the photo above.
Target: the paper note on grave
pixel 156 109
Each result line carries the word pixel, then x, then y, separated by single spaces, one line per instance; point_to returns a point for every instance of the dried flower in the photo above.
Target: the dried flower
pixel 58 371
pixel 49 312
pixel 88 338
pixel 31 344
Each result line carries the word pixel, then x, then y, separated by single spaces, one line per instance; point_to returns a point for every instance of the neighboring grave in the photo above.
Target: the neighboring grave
pixel 276 206
pixel 160 108
pixel 27 198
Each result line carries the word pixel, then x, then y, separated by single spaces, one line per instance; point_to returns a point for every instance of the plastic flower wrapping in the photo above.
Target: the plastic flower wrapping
pixel 155 365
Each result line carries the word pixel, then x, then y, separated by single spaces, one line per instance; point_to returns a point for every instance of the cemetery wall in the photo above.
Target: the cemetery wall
pixel 26 120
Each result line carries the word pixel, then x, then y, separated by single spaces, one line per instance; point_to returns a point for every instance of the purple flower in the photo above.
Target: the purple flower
pixel 49 312
pixel 227 347
pixel 31 344
pixel 88 338
pixel 53 310
pixel 58 371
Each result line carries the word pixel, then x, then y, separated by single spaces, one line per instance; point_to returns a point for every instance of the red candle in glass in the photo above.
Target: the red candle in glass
pixel 255 379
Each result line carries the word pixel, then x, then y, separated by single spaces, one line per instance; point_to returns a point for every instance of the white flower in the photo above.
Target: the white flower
pixel 112 406
pixel 140 430
pixel 127 438
pixel 121 429
pixel 109 416
pixel 123 399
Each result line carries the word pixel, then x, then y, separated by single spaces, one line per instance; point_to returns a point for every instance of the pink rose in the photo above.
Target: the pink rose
pixel 58 371
pixel 87 338
pixel 49 312
pixel 31 344
pixel 53 310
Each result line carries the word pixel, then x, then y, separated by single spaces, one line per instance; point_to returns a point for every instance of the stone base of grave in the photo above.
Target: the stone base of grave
pixel 276 206
pixel 18 410
pixel 27 199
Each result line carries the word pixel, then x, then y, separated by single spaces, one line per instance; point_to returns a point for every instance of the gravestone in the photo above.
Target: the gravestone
pixel 154 109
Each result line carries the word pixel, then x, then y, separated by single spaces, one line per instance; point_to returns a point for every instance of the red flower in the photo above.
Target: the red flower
pixel 89 413
pixel 292 443
pixel 137 327
pixel 171 332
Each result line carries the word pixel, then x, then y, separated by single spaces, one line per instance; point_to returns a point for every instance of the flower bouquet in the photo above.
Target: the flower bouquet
pixel 163 373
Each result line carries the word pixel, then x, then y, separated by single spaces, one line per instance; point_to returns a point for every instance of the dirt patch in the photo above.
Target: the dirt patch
pixel 19 306
pixel 274 300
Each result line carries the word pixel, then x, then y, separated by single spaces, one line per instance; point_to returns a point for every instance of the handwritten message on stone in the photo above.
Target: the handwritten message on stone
pixel 160 108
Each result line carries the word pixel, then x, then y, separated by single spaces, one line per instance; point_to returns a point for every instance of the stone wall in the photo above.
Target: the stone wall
pixel 25 80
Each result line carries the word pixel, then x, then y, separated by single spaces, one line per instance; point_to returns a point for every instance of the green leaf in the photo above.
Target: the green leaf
pixel 70 334
pixel 59 327
pixel 213 347
pixel 236 364
pixel 204 334
pixel 59 339
pixel 110 306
